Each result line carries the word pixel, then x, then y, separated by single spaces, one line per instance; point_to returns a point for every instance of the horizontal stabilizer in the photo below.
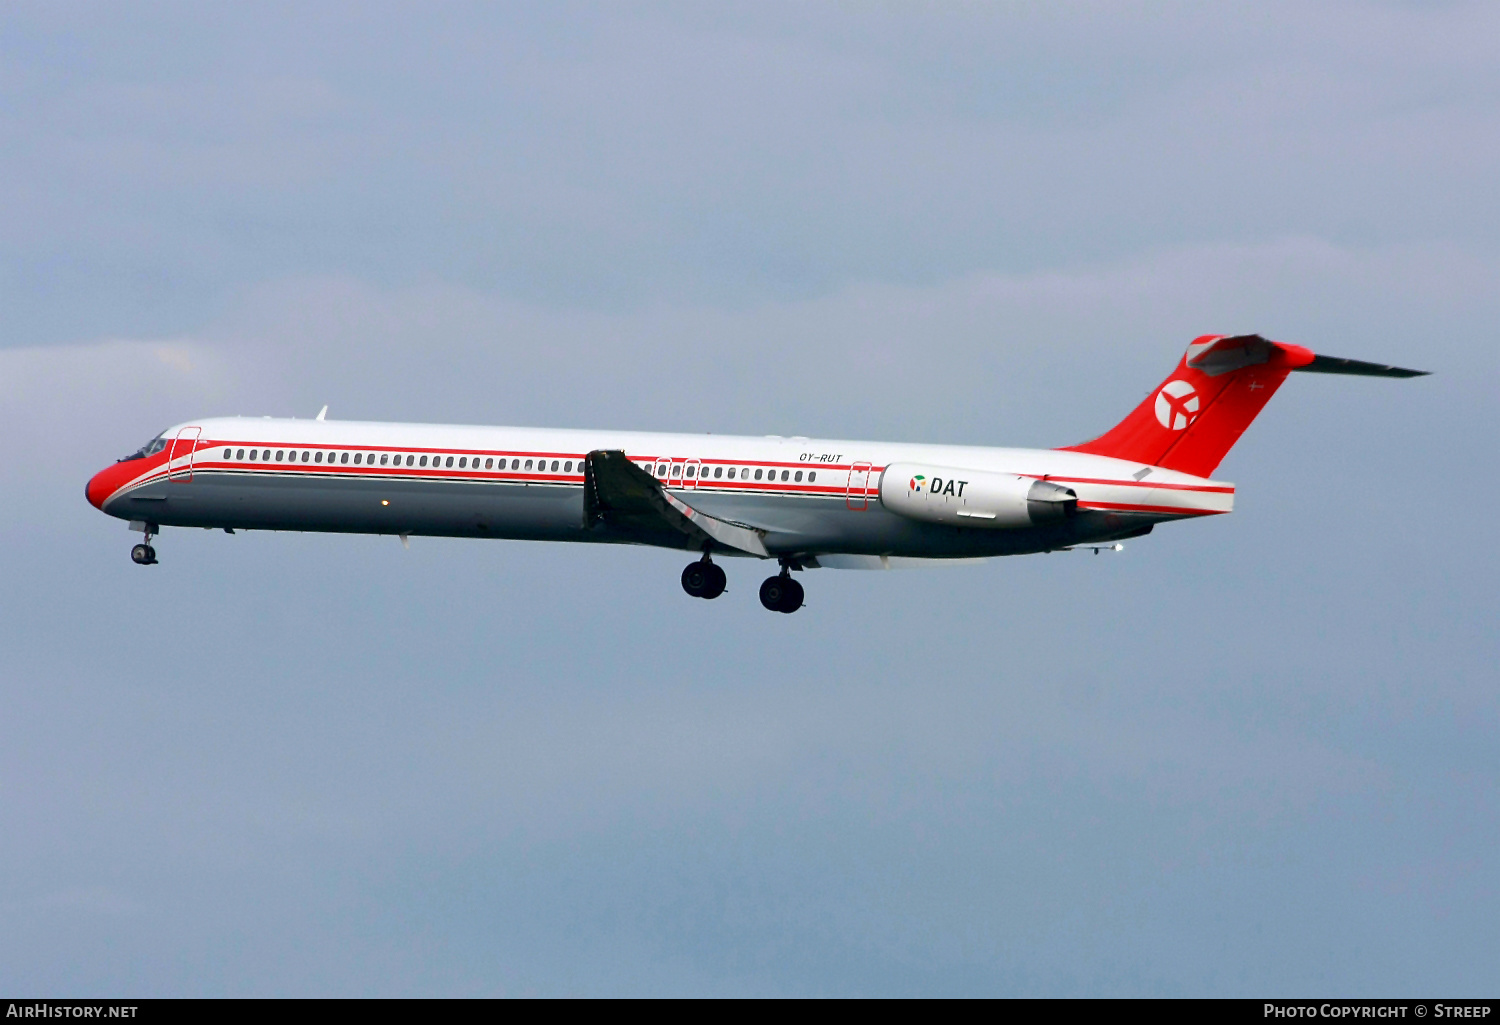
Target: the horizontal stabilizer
pixel 617 491
pixel 1334 365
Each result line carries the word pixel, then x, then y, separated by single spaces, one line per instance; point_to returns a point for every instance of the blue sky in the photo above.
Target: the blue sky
pixel 1248 756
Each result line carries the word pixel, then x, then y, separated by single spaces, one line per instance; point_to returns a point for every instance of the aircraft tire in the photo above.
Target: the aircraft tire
pixel 781 594
pixel 791 600
pixel 696 579
pixel 717 581
pixel 143 555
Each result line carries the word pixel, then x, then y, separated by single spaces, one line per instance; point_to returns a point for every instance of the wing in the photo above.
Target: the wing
pixel 617 491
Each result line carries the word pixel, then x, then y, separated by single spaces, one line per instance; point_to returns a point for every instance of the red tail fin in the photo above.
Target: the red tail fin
pixel 1194 418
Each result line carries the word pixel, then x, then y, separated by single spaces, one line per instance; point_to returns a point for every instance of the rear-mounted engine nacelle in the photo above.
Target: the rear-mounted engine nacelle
pixel 973 498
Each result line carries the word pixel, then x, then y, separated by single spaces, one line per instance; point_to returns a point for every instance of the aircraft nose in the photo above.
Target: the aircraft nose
pixel 103 484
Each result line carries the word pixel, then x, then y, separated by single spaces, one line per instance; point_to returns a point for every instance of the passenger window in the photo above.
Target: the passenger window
pixel 228 453
pixel 718 471
pixel 812 475
pixel 463 462
pixel 489 463
pixel 568 466
pixel 757 474
pixel 554 466
pixel 691 470
pixel 241 454
pixel 317 457
pixel 798 478
pixel 783 474
pixel 306 456
pixel 528 464
pixel 279 454
pixel 423 462
pixel 384 459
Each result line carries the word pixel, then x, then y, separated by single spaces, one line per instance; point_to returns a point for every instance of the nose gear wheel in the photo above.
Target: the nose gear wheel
pixel 143 554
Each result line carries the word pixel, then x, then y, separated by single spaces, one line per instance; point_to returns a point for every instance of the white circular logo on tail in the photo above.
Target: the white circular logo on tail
pixel 1176 405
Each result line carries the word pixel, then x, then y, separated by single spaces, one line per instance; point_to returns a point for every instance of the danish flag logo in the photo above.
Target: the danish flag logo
pixel 1176 405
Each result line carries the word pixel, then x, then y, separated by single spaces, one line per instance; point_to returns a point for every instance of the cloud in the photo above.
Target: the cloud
pixel 989 358
pixel 614 159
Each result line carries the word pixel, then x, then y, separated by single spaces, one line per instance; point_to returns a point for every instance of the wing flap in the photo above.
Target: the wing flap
pixel 617 491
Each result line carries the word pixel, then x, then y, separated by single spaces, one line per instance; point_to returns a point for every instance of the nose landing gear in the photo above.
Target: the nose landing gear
pixel 702 579
pixel 781 593
pixel 143 554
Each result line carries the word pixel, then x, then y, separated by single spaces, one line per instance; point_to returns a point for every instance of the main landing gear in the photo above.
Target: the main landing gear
pixel 781 593
pixel 143 554
pixel 702 579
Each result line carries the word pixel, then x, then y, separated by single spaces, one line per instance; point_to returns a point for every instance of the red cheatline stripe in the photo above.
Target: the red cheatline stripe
pixel 445 474
pixel 508 454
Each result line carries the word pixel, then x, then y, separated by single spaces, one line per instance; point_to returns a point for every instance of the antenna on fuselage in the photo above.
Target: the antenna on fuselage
pixel 321 413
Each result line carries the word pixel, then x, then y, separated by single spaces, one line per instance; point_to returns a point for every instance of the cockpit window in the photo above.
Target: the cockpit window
pixel 151 447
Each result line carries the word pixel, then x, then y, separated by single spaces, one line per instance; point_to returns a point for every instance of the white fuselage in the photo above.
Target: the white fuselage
pixel 806 496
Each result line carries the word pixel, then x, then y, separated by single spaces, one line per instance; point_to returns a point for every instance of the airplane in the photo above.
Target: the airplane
pixel 805 503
